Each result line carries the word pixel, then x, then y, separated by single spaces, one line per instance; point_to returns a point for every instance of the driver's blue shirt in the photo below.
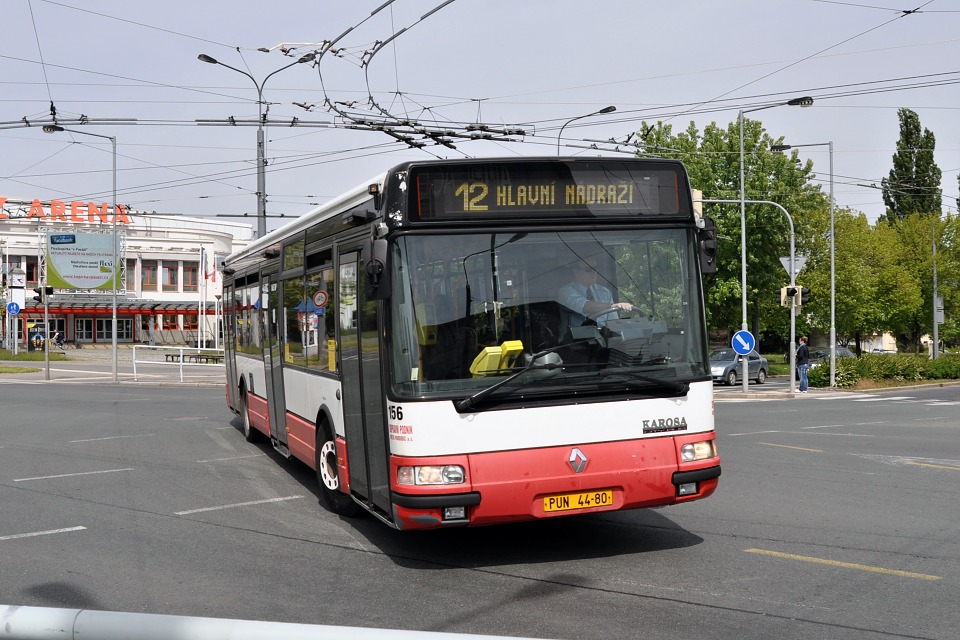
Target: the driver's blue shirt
pixel 575 295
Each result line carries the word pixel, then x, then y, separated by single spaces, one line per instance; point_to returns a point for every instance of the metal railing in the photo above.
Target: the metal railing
pixel 48 623
pixel 176 356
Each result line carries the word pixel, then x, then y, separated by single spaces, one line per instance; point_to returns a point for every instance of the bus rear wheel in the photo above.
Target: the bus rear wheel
pixel 328 477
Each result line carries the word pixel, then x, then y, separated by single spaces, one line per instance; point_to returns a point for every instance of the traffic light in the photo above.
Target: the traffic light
pixel 804 295
pixel 784 300
pixel 789 296
pixel 42 293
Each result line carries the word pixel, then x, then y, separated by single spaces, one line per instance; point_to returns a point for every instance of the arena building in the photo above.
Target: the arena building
pixel 169 286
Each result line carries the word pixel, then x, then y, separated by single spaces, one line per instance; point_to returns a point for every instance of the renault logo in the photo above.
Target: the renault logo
pixel 578 461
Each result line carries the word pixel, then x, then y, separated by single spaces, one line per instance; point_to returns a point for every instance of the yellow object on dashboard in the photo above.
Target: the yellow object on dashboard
pixel 496 359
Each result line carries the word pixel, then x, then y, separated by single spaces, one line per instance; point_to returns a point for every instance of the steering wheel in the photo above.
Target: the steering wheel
pixel 618 310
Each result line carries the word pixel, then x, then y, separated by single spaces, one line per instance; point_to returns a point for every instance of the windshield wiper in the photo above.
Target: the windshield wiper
pixel 673 385
pixel 468 403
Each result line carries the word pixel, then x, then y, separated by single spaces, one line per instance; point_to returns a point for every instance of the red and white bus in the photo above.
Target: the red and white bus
pixel 472 342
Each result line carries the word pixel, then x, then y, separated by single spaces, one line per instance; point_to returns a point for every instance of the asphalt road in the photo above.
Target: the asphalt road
pixel 837 517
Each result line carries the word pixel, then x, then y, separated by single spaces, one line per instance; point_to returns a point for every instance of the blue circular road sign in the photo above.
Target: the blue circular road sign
pixel 743 342
pixel 13 308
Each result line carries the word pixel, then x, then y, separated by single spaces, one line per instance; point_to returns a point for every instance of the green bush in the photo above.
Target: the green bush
pixel 946 367
pixel 819 377
pixel 900 367
pixel 891 367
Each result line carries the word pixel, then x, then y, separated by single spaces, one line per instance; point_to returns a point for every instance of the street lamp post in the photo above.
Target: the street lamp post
pixel 791 269
pixel 805 101
pixel 261 143
pixel 609 109
pixel 833 266
pixel 52 128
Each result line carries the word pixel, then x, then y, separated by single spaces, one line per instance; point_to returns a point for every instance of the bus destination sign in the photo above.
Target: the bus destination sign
pixel 545 190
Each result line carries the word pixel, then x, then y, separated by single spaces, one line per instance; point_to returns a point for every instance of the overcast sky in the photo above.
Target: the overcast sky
pixel 521 67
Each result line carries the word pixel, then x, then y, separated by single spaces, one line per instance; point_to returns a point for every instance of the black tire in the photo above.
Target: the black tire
pixel 761 376
pixel 249 432
pixel 327 475
pixel 731 378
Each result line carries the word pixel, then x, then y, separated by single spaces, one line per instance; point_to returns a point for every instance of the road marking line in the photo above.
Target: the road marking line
pixel 752 433
pixel 845 565
pixel 41 533
pixel 785 446
pixel 932 466
pixel 254 455
pixel 71 475
pixel 238 504
pixel 145 435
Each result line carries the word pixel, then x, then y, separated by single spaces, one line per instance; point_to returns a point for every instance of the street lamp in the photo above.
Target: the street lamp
pixel 833 267
pixel 805 101
pixel 609 109
pixel 791 269
pixel 53 128
pixel 261 143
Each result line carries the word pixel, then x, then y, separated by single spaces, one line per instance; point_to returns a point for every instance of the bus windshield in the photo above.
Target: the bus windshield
pixel 572 310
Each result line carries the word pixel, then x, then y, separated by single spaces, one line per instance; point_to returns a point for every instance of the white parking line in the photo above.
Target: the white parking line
pixel 238 504
pixel 254 455
pixel 145 435
pixel 41 533
pixel 71 475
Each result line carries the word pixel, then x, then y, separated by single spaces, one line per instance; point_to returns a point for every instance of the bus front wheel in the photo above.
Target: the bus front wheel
pixel 249 432
pixel 328 477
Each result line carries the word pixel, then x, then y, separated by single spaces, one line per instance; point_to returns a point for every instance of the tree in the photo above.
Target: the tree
pixel 712 160
pixel 914 182
pixel 858 310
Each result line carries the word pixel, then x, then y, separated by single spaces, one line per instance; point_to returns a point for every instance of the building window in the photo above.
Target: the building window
pixel 190 322
pixel 129 276
pixel 148 275
pixel 33 271
pixel 83 329
pixel 124 329
pixel 190 281
pixel 170 280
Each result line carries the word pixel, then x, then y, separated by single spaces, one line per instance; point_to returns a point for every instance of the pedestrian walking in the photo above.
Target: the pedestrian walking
pixel 803 363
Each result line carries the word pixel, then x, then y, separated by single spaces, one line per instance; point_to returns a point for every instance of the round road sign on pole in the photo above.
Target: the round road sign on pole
pixel 743 342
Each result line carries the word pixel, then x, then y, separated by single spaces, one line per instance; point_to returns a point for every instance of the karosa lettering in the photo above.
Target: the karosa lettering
pixel 658 425
pixel 76 211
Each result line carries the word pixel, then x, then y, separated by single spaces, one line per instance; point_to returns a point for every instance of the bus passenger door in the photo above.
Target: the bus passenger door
pixel 366 431
pixel 273 360
pixel 229 311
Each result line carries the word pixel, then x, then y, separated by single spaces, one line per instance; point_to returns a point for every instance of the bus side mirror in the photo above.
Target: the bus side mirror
pixel 377 287
pixel 707 244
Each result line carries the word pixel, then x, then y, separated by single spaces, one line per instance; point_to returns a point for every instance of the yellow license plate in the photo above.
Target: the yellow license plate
pixel 580 500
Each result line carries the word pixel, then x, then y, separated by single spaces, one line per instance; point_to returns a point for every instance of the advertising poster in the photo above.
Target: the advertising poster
pixel 82 261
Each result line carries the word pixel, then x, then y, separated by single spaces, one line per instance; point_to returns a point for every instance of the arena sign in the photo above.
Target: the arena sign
pixel 61 211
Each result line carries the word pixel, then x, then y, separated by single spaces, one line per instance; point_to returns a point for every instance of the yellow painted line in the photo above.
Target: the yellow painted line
pixel 932 466
pixel 784 446
pixel 845 565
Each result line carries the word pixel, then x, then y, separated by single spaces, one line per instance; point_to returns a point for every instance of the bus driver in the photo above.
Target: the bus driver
pixel 586 298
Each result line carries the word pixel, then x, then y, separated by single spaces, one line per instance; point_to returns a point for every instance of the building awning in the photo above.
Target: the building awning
pixel 100 305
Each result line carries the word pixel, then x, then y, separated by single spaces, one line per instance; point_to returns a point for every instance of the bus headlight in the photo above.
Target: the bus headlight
pixel 698 451
pixel 443 474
